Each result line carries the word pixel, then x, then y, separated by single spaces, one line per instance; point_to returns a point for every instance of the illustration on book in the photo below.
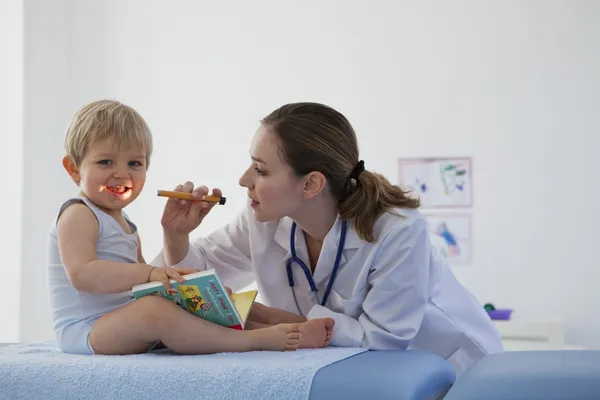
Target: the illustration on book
pixel 438 182
pixel 204 295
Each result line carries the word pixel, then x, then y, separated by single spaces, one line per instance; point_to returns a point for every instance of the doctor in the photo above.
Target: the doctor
pixel 325 237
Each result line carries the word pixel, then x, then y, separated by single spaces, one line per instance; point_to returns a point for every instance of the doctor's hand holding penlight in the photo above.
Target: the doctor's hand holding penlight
pixel 187 207
pixel 190 196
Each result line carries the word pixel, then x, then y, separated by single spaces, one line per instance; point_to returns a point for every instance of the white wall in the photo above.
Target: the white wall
pixel 47 110
pixel 11 137
pixel 514 85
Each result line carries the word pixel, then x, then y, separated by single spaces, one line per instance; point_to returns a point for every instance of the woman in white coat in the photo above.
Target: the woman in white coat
pixel 324 237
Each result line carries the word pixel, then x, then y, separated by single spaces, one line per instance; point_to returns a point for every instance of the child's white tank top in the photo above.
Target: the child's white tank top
pixel 71 307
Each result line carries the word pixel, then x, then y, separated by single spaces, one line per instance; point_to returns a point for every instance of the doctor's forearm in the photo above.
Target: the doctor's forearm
pixel 265 315
pixel 175 248
pixel 277 316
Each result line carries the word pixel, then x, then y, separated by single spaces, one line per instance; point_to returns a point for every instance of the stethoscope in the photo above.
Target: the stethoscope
pixel 294 259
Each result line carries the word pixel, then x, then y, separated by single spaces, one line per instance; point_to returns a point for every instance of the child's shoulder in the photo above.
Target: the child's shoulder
pixel 74 212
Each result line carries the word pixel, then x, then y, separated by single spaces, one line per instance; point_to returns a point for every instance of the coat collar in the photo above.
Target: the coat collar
pixel 352 242
pixel 332 239
pixel 282 233
pixel 328 254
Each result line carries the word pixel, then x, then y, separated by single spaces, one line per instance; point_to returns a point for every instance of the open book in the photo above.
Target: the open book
pixel 204 295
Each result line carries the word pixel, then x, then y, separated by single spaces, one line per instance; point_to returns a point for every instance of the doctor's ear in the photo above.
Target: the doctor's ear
pixel 314 183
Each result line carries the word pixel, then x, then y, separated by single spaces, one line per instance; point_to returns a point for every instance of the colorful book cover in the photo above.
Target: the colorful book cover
pixel 203 295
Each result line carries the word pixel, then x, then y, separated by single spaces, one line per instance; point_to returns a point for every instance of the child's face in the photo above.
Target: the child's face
pixel 111 177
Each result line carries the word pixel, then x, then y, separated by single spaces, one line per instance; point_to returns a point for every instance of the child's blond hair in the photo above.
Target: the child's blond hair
pixel 106 119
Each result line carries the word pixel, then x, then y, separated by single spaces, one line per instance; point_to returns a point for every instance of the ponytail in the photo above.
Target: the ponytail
pixel 369 196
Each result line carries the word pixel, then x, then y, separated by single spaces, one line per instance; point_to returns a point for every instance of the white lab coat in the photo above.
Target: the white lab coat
pixel 392 294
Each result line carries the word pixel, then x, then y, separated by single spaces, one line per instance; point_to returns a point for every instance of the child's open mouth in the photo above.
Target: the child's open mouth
pixel 119 191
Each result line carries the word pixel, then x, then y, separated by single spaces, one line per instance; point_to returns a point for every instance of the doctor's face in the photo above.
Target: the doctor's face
pixel 273 188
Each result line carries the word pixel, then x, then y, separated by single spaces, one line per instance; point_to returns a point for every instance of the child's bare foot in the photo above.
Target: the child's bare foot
pixel 329 334
pixel 316 333
pixel 282 337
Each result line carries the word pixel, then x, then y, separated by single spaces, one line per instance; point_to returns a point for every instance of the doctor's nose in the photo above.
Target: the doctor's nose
pixel 246 180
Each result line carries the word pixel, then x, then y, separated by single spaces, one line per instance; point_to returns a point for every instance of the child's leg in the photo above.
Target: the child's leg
pixel 135 327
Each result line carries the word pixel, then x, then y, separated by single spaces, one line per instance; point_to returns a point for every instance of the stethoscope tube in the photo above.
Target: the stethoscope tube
pixel 294 259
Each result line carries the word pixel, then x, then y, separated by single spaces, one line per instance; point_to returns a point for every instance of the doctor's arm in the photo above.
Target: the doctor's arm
pixel 227 250
pixel 394 306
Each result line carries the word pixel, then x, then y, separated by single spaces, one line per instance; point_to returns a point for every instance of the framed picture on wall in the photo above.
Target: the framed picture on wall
pixel 452 236
pixel 438 182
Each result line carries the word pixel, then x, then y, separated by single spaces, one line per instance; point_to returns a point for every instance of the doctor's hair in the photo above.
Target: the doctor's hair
pixel 315 137
pixel 106 119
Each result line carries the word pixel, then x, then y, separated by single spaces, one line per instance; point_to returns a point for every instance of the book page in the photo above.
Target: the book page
pixel 243 302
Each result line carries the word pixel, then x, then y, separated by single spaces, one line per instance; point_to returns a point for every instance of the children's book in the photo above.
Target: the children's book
pixel 204 295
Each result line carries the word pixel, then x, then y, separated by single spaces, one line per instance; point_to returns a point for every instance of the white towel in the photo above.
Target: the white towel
pixel 42 371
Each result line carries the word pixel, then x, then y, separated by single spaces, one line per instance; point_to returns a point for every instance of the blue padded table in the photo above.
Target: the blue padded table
pixel 531 375
pixel 41 370
pixel 399 375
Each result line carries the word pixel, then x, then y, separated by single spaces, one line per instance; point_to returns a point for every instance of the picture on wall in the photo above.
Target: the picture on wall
pixel 451 235
pixel 438 182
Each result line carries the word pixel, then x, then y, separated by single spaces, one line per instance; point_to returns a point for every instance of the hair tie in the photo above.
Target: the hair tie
pixel 360 167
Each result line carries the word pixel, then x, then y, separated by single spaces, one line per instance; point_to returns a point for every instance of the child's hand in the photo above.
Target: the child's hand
pixel 228 290
pixel 162 274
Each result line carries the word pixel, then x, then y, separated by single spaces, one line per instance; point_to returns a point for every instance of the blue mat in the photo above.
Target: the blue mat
pixel 381 375
pixel 42 371
pixel 531 375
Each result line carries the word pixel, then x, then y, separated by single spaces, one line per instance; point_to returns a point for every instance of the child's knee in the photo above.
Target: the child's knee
pixel 153 309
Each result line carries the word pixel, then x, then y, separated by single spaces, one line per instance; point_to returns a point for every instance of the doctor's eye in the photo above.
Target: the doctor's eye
pixel 259 171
